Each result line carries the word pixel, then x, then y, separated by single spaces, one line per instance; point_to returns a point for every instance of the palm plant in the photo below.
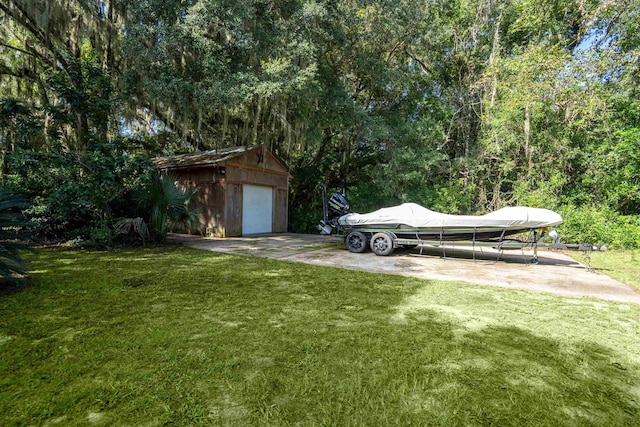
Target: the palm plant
pixel 166 206
pixel 138 225
pixel 12 226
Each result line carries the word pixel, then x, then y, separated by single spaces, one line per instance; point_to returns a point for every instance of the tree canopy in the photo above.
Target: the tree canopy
pixel 461 105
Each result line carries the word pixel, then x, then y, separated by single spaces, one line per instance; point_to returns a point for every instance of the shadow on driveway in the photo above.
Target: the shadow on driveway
pixel 555 272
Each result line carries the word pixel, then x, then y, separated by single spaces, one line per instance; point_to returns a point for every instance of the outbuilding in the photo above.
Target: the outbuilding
pixel 240 190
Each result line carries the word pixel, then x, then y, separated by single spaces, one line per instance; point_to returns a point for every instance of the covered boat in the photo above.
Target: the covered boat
pixel 410 224
pixel 411 218
pixel 413 225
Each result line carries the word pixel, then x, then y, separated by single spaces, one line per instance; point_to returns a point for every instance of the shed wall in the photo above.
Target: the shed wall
pixel 257 167
pixel 209 184
pixel 219 188
pixel 233 210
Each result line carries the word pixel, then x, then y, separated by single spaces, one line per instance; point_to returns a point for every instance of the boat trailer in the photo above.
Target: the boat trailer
pixel 383 241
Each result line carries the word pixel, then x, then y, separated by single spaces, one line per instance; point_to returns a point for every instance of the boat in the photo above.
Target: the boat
pixel 411 224
pixel 414 221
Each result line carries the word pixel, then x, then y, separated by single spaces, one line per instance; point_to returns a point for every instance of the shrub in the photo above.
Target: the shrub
pixel 164 205
pixel 12 226
pixel 304 219
pixel 76 197
pixel 599 225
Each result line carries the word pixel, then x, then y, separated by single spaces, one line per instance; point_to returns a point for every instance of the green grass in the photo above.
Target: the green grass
pixel 621 265
pixel 172 336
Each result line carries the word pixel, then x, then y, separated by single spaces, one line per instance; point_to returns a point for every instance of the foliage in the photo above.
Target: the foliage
pixel 166 203
pixel 18 126
pixel 599 225
pixel 58 58
pixel 613 172
pixel 12 229
pixel 165 207
pixel 464 106
pixel 187 337
pixel 128 226
pixel 73 196
pixel 304 219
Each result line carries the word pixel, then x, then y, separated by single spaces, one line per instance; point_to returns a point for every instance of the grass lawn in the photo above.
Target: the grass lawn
pixel 621 265
pixel 173 336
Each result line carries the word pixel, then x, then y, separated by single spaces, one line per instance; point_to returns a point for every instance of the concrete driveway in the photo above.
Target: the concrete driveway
pixel 555 272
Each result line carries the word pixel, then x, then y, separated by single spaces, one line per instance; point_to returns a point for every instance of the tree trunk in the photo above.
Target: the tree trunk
pixel 82 129
pixel 256 122
pixel 527 135
pixel 495 50
pixel 225 124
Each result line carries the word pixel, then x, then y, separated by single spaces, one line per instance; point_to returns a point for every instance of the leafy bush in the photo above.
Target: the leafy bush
pixel 164 205
pixel 100 237
pixel 304 219
pixel 599 225
pixel 78 196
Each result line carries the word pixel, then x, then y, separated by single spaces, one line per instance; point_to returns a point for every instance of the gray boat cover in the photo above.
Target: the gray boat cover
pixel 414 215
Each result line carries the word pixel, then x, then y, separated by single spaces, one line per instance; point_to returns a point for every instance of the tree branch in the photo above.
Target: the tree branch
pixel 31 52
pixel 22 73
pixel 23 19
pixel 423 66
pixel 16 48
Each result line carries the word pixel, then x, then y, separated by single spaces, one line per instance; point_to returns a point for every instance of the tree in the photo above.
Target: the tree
pixel 464 106
pixel 77 196
pixel 59 58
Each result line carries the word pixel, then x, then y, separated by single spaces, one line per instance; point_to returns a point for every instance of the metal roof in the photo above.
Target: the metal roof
pixel 200 158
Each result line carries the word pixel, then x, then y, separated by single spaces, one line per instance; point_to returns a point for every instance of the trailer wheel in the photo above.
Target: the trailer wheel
pixel 356 242
pixel 381 244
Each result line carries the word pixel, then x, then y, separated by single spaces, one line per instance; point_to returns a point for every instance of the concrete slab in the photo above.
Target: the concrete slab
pixel 555 272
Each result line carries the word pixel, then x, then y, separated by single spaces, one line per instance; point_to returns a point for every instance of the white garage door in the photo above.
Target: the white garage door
pixel 257 209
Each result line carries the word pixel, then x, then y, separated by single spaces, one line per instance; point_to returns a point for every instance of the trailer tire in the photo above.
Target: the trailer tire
pixel 381 244
pixel 356 242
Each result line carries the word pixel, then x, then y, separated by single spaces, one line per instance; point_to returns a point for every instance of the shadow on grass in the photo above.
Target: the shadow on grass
pixel 8 287
pixel 174 336
pixel 432 372
pixel 509 376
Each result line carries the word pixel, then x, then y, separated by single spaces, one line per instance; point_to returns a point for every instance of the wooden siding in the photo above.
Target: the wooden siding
pixel 209 197
pixel 246 169
pixel 219 186
pixel 233 210
pixel 259 159
pixel 281 214
pixel 211 206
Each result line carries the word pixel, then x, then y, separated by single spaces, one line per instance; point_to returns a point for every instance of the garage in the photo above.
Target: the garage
pixel 257 209
pixel 240 190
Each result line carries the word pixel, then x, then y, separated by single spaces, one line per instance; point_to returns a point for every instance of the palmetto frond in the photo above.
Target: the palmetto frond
pixel 166 204
pixel 12 225
pixel 138 225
